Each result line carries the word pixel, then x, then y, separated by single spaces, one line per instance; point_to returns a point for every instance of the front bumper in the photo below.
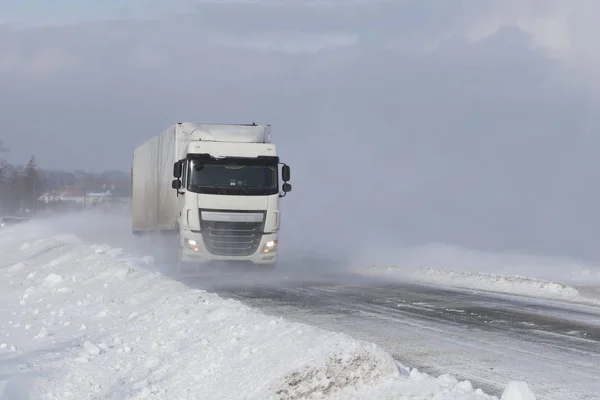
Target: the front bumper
pixel 197 251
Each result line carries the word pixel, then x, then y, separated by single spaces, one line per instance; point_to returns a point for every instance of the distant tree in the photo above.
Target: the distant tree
pixel 31 187
pixel 12 193
pixel 4 174
pixel 4 171
pixel 4 165
pixel 31 168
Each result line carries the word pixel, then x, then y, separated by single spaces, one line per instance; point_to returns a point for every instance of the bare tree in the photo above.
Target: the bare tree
pixel 3 176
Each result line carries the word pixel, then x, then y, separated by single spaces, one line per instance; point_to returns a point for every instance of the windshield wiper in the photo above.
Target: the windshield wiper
pixel 199 187
pixel 241 188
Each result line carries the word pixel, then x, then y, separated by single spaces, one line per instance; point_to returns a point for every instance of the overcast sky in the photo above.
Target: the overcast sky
pixel 466 122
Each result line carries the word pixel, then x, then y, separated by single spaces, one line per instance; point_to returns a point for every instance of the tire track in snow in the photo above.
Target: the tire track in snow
pixel 483 338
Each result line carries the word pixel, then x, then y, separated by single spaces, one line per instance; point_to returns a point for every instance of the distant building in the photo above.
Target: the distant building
pixel 76 196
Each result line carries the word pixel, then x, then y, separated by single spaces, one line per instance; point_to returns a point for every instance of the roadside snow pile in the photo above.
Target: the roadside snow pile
pixel 503 273
pixel 517 285
pixel 498 283
pixel 517 391
pixel 82 321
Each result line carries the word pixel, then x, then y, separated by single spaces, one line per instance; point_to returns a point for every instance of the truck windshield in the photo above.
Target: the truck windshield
pixel 232 178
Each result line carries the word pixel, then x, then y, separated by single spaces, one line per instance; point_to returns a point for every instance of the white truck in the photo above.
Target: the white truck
pixel 216 186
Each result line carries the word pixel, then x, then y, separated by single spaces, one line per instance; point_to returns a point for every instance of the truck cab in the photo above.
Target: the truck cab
pixel 228 196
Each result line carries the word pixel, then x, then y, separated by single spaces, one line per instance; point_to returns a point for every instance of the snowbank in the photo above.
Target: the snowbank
pixel 549 278
pixel 80 321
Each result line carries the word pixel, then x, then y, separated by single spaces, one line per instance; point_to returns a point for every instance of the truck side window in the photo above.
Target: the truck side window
pixel 184 167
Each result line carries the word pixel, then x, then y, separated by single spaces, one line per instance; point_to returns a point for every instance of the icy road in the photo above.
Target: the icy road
pixel 90 312
pixel 488 339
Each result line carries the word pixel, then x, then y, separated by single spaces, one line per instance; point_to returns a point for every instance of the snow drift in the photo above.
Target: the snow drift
pixel 86 321
pixel 549 278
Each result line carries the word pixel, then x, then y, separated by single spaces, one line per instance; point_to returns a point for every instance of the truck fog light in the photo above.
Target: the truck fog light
pixel 192 244
pixel 270 246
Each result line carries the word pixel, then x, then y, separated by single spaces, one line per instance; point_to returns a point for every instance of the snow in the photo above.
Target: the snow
pixel 82 321
pixel 517 391
pixel 516 274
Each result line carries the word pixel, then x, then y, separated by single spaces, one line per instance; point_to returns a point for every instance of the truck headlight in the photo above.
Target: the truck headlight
pixel 270 246
pixel 192 244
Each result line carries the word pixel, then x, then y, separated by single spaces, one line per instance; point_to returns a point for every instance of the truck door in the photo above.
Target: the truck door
pixel 181 197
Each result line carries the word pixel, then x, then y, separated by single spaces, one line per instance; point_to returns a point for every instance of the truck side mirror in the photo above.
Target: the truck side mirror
pixel 177 170
pixel 287 187
pixel 285 173
pixel 176 184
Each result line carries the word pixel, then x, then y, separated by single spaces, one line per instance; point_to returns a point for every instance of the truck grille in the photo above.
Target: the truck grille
pixel 231 238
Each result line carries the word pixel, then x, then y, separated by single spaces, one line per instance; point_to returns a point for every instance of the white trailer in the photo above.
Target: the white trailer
pixel 217 186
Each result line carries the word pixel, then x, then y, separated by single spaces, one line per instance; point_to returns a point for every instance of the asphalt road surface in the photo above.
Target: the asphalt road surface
pixel 485 338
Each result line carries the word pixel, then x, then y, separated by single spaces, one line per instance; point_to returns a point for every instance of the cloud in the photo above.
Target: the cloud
pixel 292 42
pixel 564 30
pixel 147 56
pixel 43 62
pixel 9 62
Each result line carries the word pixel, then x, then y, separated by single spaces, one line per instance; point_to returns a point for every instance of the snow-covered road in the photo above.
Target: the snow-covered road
pixel 88 312
pixel 485 338
pixel 90 321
